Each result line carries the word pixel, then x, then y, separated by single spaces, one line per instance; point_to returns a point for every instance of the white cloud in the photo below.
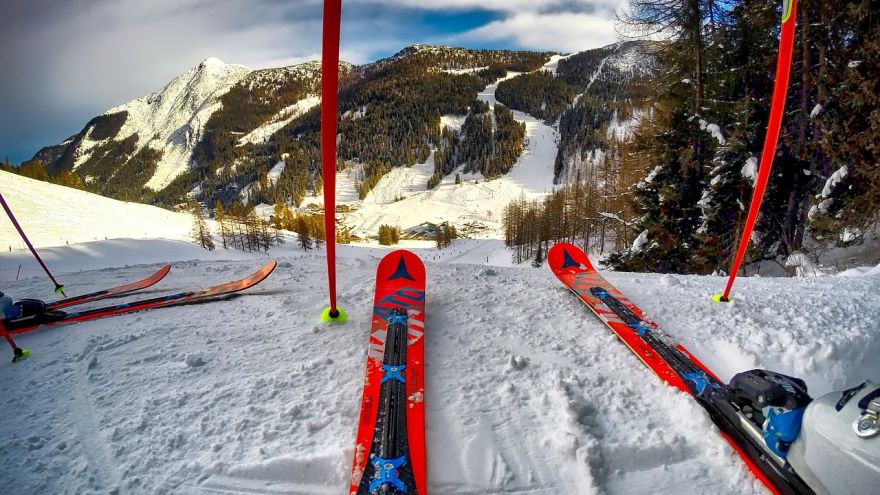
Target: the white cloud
pixel 559 25
pixel 510 6
pixel 562 32
pixel 126 49
pixel 67 61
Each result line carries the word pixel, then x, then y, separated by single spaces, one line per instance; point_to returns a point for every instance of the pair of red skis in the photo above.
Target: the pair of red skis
pixel 53 315
pixel 389 455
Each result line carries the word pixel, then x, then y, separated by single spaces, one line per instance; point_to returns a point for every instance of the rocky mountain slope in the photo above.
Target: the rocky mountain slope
pixel 220 129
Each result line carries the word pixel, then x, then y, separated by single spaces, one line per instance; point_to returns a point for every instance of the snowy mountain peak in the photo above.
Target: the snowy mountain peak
pixel 171 120
pixel 194 85
pixel 212 62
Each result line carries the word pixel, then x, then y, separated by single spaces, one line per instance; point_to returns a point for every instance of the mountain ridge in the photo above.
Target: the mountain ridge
pixel 228 124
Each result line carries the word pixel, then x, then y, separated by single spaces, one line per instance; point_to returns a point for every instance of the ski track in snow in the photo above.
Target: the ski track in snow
pixel 526 392
pixel 401 197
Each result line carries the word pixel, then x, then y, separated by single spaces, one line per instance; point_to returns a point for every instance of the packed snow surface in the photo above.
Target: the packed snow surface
pixel 526 391
pixel 53 215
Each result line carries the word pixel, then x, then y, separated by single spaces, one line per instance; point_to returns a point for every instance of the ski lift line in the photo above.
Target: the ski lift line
pixel 329 89
pixel 58 287
pixel 777 108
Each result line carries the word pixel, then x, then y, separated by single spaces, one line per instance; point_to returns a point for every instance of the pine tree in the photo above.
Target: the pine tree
pixel 684 25
pixel 287 220
pixel 440 237
pixel 220 216
pixel 303 233
pixel 539 257
pixel 848 63
pixel 201 232
pixel 389 235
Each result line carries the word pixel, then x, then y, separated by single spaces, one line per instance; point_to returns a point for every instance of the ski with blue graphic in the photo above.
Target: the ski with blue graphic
pixel 389 456
pixel 675 365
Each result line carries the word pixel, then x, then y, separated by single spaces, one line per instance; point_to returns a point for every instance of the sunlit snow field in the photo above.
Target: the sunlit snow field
pixel 526 392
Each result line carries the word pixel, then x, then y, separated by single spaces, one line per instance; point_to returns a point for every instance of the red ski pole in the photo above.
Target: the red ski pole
pixel 329 87
pixel 17 352
pixel 777 106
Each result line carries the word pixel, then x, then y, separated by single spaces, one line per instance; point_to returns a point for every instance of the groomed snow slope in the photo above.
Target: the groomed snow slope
pixel 54 215
pixel 401 197
pixel 526 392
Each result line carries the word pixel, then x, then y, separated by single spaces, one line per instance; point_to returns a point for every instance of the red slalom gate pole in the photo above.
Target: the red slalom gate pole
pixel 329 88
pixel 58 287
pixel 777 106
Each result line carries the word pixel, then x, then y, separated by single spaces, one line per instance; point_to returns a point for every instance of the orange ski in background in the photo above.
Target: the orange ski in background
pixel 53 317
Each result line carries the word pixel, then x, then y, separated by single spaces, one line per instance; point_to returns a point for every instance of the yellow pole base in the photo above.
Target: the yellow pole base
pixel 25 353
pixel 339 317
pixel 719 298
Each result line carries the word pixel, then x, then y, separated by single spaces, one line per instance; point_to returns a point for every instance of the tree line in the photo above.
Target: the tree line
pixel 241 228
pixel 590 211
pixel 697 146
pixel 540 94
pixel 488 143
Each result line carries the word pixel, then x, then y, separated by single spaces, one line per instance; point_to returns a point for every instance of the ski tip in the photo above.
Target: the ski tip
pixel 719 298
pixel 564 257
pixel 339 317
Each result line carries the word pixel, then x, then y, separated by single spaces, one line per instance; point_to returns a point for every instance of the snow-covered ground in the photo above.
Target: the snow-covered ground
pixel 526 392
pixel 55 216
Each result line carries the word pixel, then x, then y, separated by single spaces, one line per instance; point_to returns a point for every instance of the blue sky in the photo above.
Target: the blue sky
pixel 64 62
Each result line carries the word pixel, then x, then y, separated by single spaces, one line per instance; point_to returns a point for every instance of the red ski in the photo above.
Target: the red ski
pixel 389 453
pixel 673 364
pixel 57 317
pixel 574 269
pixel 113 292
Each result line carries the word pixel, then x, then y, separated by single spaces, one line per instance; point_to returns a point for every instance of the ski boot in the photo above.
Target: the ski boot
pixel 774 403
pixel 838 449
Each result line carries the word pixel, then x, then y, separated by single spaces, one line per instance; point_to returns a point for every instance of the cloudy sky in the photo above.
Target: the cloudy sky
pixel 66 61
